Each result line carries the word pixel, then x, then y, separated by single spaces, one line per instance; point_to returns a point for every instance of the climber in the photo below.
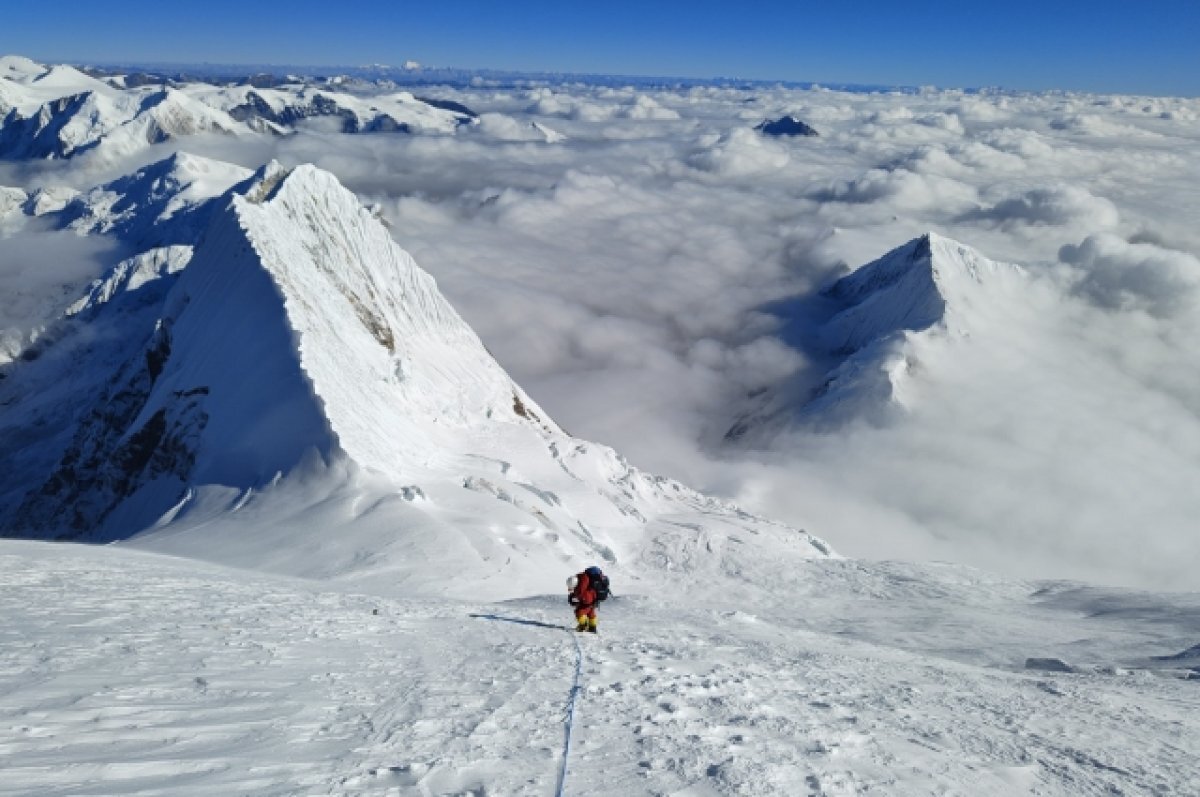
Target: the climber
pixel 585 590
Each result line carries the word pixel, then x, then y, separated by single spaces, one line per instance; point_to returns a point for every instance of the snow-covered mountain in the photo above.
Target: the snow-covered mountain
pixel 787 126
pixel 884 315
pixel 165 202
pixel 278 109
pixel 60 112
pixel 291 361
pixel 118 123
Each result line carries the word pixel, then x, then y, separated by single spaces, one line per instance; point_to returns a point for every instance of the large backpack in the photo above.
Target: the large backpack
pixel 599 583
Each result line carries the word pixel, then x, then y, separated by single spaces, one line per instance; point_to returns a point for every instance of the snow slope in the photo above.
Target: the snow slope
pixel 128 673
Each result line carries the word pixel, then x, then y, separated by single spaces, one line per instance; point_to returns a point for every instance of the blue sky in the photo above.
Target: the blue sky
pixel 1151 46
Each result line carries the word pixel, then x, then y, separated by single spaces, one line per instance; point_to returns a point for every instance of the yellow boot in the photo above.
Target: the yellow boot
pixel 591 624
pixel 581 623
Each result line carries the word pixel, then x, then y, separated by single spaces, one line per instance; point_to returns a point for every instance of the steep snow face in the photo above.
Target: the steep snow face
pixel 891 309
pixel 303 399
pixel 896 292
pixel 928 281
pixel 424 433
pixel 374 334
pixel 78 382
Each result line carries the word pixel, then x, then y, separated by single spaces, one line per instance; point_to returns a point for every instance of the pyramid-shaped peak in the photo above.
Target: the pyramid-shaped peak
pixel 298 395
pixel 787 125
pixel 911 287
pixel 386 354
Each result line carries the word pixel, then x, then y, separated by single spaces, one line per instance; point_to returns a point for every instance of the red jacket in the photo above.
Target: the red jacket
pixel 584 595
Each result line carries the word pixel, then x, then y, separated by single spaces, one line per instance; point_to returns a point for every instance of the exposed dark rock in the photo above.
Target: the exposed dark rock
pixel 785 126
pixel 449 105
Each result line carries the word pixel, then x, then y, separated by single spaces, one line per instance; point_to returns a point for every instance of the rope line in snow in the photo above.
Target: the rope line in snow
pixel 562 771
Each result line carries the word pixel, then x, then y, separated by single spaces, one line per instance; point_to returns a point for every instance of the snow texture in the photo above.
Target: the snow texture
pixel 128 673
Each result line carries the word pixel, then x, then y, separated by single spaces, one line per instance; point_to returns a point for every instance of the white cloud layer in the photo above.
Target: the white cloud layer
pixel 643 276
pixel 43 270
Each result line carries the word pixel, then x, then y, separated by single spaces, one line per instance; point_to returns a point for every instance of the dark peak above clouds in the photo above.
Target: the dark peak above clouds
pixel 787 125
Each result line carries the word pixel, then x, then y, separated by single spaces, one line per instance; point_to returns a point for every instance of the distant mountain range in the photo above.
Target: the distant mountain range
pixel 60 112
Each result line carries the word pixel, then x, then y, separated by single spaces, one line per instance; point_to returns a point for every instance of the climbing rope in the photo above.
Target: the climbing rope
pixel 562 771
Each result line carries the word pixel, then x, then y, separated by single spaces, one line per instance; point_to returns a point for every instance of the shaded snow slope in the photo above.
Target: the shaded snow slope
pixel 374 334
pixel 295 393
pixel 134 674
pixel 930 280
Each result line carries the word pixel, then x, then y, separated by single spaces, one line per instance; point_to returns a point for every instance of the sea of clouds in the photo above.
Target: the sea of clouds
pixel 643 275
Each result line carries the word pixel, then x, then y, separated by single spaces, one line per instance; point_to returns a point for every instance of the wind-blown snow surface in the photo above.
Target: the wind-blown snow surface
pixel 129 673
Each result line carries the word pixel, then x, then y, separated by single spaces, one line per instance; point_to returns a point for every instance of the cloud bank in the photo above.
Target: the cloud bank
pixel 649 275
